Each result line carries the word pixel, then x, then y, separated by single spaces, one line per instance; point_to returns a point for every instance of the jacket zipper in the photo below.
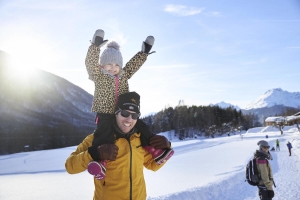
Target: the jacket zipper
pixel 130 168
pixel 117 90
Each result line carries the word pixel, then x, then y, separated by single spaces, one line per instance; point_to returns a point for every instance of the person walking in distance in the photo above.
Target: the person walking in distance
pixel 277 145
pixel 289 146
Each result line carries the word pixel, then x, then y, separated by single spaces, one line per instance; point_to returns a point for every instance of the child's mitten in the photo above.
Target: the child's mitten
pixel 98 38
pixel 147 45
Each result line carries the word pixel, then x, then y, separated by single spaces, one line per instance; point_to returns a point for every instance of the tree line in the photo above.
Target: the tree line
pixel 193 121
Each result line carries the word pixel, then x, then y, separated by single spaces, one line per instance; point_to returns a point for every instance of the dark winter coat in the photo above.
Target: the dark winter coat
pixel 289 145
pixel 264 169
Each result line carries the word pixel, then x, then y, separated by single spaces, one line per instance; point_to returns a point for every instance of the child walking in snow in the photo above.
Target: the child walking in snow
pixel 111 80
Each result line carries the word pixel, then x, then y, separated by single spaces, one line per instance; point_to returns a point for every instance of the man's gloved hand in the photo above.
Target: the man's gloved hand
pixel 108 152
pixel 159 142
pixel 98 38
pixel 271 194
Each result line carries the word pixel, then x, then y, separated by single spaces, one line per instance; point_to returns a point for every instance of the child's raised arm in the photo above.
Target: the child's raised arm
pixel 92 57
pixel 138 60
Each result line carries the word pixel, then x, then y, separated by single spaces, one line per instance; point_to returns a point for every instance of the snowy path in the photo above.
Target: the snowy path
pixel 286 171
pixel 203 169
pixel 287 167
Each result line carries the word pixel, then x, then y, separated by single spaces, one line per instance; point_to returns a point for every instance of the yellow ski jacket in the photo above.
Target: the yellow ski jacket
pixel 124 176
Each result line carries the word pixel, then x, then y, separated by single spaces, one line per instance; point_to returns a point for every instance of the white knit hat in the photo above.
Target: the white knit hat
pixel 112 54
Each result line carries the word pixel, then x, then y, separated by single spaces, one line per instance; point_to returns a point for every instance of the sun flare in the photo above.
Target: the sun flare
pixel 29 52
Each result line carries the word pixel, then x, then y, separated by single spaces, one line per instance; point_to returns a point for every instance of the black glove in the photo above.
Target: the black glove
pixel 108 152
pixel 98 38
pixel 271 194
pixel 159 142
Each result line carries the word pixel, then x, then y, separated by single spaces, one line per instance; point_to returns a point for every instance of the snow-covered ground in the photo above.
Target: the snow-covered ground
pixel 201 169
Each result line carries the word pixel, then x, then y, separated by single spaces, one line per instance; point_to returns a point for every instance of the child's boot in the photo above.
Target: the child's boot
pixel 147 45
pixel 159 155
pixel 98 38
pixel 97 169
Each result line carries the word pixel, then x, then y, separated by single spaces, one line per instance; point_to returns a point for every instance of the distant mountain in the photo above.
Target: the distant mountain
pixel 39 105
pixel 223 104
pixel 273 102
pixel 276 97
pixel 265 112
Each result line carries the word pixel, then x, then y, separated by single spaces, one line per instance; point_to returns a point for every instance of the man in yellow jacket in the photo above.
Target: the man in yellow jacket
pixel 126 158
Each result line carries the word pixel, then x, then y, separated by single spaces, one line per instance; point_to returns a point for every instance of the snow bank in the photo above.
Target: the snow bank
pixel 254 130
pixel 290 129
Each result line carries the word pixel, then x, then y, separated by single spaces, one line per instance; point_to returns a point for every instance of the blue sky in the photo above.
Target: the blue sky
pixel 206 51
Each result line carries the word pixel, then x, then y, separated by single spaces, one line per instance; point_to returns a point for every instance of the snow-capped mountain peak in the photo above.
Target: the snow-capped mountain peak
pixel 275 97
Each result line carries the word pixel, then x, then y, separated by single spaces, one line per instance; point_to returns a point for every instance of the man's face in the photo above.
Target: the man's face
pixel 266 149
pixel 125 124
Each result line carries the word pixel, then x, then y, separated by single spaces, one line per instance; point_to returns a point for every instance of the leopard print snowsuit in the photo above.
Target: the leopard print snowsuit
pixel 108 87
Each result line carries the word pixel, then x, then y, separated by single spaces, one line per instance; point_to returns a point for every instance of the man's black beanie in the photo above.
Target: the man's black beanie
pixel 129 101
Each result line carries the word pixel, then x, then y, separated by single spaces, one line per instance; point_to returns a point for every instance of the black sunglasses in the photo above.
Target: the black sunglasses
pixel 126 114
